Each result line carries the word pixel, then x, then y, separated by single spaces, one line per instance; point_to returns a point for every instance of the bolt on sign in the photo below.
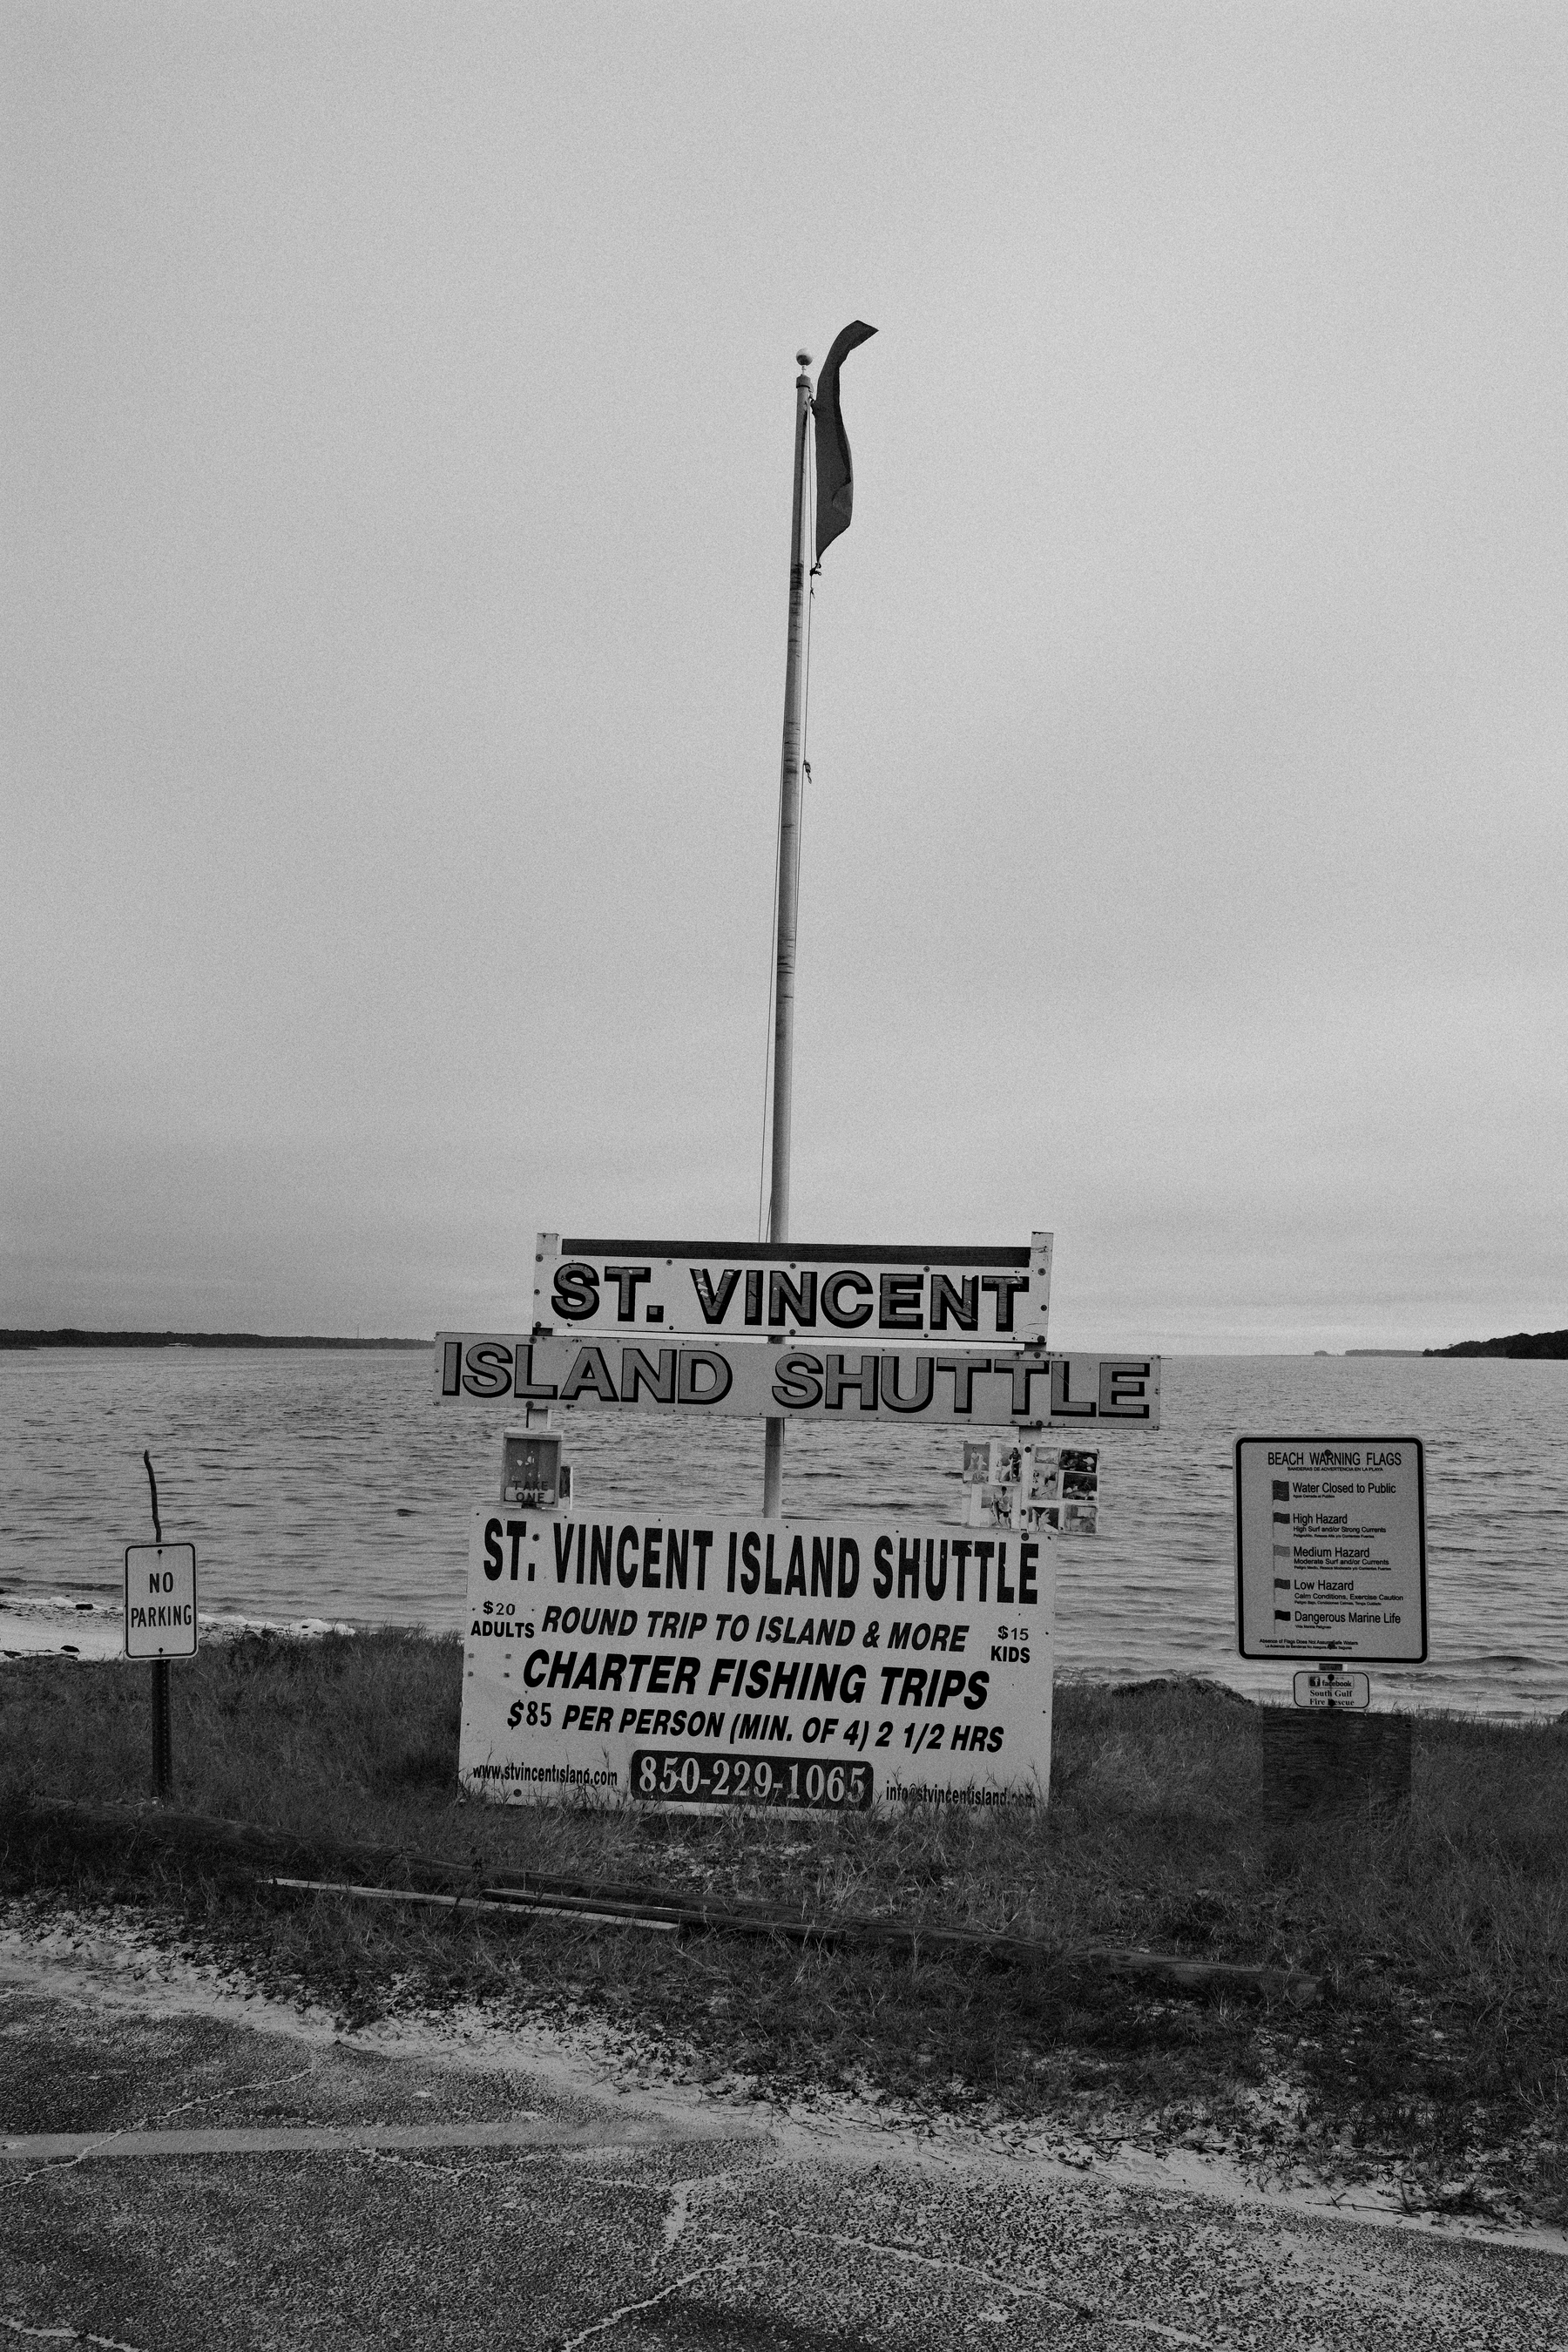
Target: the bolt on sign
pixel 757 1379
pixel 793 1289
pixel 161 1600
pixel 665 1657
pixel 1331 1549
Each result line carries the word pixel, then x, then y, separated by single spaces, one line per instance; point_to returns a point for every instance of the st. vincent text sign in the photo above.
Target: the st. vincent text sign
pixel 816 1666
pixel 884 1296
pixel 753 1380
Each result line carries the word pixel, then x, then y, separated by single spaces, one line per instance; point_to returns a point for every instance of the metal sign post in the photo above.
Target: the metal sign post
pixel 1330 1565
pixel 788 896
pixel 160 1624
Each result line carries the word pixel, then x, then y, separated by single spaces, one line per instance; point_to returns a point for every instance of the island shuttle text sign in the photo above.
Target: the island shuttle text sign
pixel 740 1289
pixel 1331 1546
pixel 756 1379
pixel 811 1664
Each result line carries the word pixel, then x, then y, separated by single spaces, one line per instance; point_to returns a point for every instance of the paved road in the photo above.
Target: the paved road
pixel 175 2171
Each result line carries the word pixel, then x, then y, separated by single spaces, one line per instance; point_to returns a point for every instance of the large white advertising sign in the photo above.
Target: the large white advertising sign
pixel 1330 1536
pixel 754 1379
pixel 889 1298
pixel 661 1657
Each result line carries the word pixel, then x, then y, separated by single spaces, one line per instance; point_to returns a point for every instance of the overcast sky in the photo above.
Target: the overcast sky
pixel 399 406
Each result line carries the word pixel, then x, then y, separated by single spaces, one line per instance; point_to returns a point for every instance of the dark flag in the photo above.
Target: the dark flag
pixel 835 474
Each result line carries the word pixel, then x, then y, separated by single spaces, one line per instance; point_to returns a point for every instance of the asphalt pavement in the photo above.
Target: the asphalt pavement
pixel 183 2167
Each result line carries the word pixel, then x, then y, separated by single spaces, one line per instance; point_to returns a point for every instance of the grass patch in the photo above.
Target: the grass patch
pixel 1441 2046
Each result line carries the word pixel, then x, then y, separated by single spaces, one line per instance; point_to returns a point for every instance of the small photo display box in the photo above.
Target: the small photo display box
pixel 533 1473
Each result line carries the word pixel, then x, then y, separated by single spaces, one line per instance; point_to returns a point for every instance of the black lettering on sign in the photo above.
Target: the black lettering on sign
pixel 589 1371
pixel 523 1383
pixel 837 1381
pixel 961 1300
pixel 797 1380
pixel 963 1368
pixel 626 1279
pixel 1124 1390
pixel 712 1302
pixel 1007 1286
pixel 847 1319
pixel 893 1396
pixel 1065 1406
pixel 900 1302
pixel 638 1372
pixel 703 1376
pixel 792 1299
pixel 489 1373
pixel 576 1297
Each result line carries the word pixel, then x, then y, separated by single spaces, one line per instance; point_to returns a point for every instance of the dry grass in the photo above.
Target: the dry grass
pixel 1442 1937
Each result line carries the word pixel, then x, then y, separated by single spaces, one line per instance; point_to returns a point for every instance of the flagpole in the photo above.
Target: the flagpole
pixel 788 898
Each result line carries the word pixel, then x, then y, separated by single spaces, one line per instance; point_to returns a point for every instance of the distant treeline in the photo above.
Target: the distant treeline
pixel 68 1338
pixel 1518 1343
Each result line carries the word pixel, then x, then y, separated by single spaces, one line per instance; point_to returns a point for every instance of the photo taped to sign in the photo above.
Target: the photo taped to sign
pixel 961 1296
pixel 816 1666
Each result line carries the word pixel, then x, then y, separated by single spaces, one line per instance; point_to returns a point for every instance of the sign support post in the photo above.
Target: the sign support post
pixel 163 1740
pixel 788 898
pixel 1330 1548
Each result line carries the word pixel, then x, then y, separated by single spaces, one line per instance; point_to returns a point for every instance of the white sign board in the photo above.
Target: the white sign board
pixel 818 1665
pixel 756 1379
pixel 1325 1687
pixel 161 1600
pixel 1331 1549
pixel 889 1297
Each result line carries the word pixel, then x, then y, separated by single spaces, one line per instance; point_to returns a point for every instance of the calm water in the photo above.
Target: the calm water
pixel 333 1485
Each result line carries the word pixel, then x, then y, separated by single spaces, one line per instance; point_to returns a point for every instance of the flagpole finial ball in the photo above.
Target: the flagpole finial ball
pixel 803 359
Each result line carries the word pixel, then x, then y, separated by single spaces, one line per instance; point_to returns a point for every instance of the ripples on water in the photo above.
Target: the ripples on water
pixel 318 1485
